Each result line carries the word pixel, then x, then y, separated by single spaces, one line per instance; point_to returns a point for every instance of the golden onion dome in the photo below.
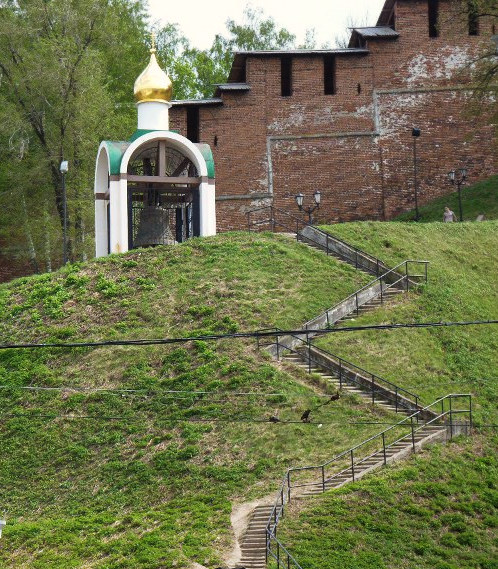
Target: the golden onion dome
pixel 153 84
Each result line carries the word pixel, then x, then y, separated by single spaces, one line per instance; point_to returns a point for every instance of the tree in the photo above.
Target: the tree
pixel 64 70
pixel 482 15
pixel 195 72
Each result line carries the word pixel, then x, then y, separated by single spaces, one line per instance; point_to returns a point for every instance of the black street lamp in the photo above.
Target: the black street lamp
pixel 415 135
pixel 317 196
pixel 64 167
pixel 458 177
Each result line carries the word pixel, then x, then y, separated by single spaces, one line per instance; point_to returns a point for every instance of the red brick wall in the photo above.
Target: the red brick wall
pixel 355 146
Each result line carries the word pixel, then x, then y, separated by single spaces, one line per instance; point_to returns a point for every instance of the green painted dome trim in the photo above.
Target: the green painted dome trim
pixel 141 132
pixel 207 154
pixel 116 150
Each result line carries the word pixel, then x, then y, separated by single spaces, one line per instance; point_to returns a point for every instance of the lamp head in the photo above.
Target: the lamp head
pixel 317 197
pixel 451 176
pixel 299 200
pixel 64 167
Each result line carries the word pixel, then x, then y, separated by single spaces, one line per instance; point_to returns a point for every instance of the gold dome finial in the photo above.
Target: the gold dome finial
pixel 153 84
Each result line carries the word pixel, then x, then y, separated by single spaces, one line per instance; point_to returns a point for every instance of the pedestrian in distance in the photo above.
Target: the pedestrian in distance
pixel 448 215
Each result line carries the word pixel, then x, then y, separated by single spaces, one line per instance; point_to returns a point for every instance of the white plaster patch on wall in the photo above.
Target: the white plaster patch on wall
pixel 294 119
pixel 444 64
pixel 365 111
pixel 394 114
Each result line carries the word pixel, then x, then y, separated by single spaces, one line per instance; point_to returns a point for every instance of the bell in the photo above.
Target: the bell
pixel 154 228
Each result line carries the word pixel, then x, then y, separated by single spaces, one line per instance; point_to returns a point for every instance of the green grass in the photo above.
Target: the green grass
pixel 149 477
pixel 462 287
pixel 438 511
pixel 479 198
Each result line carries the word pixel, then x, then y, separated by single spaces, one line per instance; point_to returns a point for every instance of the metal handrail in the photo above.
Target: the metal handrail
pixel 406 277
pixel 345 364
pixel 284 493
pixel 271 220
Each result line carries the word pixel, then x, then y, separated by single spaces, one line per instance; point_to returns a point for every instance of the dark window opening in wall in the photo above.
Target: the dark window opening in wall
pixel 193 124
pixel 286 75
pixel 216 140
pixel 473 17
pixel 493 29
pixel 433 18
pixel 359 88
pixel 329 75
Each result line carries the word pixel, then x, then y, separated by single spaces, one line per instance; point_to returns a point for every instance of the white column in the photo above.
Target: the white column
pixel 207 205
pixel 101 229
pixel 119 216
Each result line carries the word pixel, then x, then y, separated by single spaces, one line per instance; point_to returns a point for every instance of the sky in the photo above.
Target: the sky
pixel 201 20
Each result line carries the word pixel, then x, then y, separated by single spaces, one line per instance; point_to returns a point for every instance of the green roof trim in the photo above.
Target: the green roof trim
pixel 207 154
pixel 116 150
pixel 141 132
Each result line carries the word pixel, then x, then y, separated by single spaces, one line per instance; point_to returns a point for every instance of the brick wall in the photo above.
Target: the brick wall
pixel 354 146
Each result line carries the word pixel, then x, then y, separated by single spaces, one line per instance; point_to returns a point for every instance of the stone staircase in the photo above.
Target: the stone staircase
pixel 395 452
pixel 383 403
pixel 253 546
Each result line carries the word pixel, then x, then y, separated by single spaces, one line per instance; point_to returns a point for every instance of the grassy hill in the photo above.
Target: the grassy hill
pixel 118 463
pixel 135 456
pixel 479 198
pixel 439 510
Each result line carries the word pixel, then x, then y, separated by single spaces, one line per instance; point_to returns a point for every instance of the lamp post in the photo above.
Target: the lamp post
pixel 317 196
pixel 64 167
pixel 458 177
pixel 415 135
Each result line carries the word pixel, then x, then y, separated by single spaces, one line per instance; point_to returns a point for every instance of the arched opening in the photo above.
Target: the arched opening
pixel 163 195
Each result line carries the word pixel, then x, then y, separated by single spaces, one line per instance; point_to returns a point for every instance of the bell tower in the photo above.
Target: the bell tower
pixel 157 188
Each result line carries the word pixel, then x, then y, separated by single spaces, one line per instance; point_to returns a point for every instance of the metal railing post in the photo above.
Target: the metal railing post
pixel 278 347
pixel 288 561
pixel 451 417
pixel 288 486
pixel 352 463
pixel 309 349
pixel 384 448
pixel 413 433
pixel 323 478
pixel 470 414
pixel 426 273
pixel 381 291
pixel 327 244
pixel 278 550
pixel 357 306
pixel 267 546
pixel 340 373
pixel 396 399
pixel 373 389
pixel 407 279
pixel 248 221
